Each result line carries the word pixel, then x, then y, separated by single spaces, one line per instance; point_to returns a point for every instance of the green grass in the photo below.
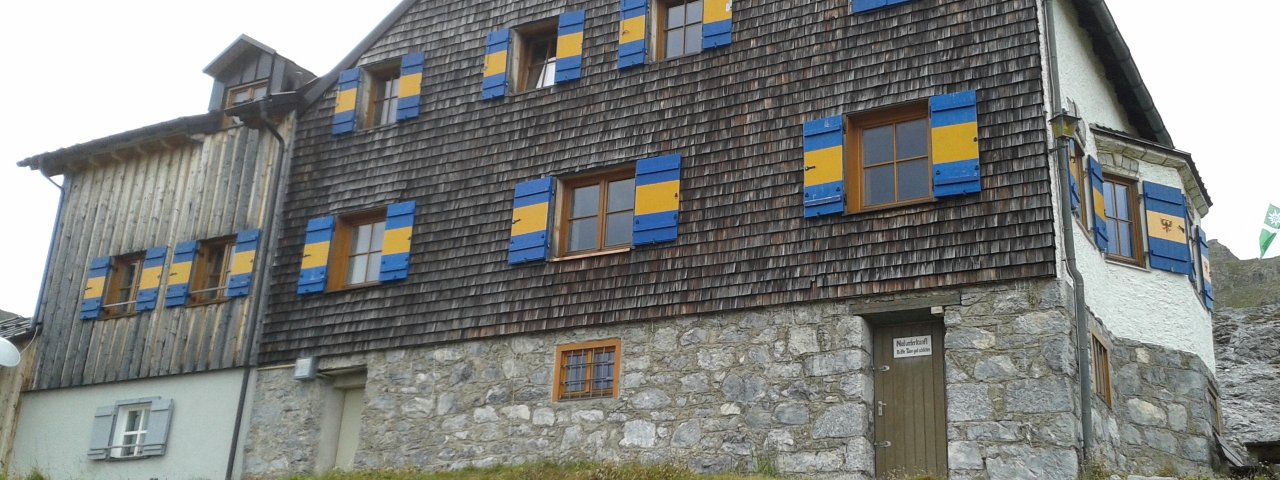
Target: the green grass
pixel 536 471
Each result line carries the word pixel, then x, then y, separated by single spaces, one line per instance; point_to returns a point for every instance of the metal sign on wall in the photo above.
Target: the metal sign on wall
pixel 905 347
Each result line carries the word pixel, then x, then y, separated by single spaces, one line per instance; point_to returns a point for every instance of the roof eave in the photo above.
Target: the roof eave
pixel 1123 73
pixel 316 89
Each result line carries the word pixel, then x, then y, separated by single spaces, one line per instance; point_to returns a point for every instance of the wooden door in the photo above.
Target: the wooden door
pixel 909 413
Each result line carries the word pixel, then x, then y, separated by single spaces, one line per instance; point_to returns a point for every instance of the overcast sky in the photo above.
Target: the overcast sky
pixel 79 70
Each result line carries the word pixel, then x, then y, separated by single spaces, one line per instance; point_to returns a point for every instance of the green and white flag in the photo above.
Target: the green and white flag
pixel 1270 226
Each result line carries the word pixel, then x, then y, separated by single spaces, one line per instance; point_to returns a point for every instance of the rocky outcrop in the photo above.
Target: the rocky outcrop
pixel 1247 344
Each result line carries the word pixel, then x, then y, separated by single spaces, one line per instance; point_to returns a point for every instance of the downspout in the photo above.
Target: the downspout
pixel 261 264
pixel 1062 146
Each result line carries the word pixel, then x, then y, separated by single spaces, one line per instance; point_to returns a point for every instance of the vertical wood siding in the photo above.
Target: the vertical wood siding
pixel 735 115
pixel 205 189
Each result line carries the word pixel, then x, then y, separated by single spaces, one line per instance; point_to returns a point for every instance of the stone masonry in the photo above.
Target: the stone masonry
pixel 790 385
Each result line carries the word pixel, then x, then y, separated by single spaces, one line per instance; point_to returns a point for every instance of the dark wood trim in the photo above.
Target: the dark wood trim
pixel 1137 219
pixel 563 351
pixel 374 75
pixel 521 43
pixel 563 217
pixel 1101 368
pixel 115 286
pixel 855 125
pixel 340 248
pixel 200 271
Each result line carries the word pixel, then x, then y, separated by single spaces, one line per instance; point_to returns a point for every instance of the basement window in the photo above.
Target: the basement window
pixel 1100 362
pixel 587 370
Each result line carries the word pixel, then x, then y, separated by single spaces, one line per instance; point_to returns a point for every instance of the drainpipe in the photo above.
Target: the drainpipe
pixel 261 263
pixel 1062 146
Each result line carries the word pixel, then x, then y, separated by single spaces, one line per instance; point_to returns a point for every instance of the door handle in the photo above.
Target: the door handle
pixel 879 408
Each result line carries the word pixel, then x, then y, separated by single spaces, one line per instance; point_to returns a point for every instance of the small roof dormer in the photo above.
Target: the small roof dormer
pixel 249 70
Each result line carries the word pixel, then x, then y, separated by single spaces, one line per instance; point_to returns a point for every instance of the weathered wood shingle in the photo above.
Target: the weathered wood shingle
pixel 735 114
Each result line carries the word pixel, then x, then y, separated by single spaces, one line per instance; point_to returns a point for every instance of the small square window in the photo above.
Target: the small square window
pixel 1120 200
pixel 356 257
pixel 596 212
pixel 889 158
pixel 679 28
pixel 241 94
pixel 383 95
pixel 130 430
pixel 213 261
pixel 535 61
pixel 122 285
pixel 587 370
pixel 1100 363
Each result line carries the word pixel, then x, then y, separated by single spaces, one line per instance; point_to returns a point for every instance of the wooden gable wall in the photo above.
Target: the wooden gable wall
pixel 736 116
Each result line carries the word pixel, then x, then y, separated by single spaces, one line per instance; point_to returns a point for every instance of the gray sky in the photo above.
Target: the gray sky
pixel 80 70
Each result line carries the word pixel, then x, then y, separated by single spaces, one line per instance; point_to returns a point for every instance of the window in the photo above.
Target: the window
pixel 587 370
pixel 597 212
pixel 1100 363
pixel 890 163
pixel 535 59
pixel 1120 199
pixel 383 95
pixel 122 285
pixel 131 431
pixel 213 260
pixel 679 28
pixel 1216 409
pixel 356 256
pixel 242 94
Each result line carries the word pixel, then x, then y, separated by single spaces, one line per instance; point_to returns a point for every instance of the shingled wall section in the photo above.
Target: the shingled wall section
pixel 735 114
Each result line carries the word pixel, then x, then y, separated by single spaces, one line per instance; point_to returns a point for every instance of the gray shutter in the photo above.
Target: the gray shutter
pixel 100 437
pixel 157 427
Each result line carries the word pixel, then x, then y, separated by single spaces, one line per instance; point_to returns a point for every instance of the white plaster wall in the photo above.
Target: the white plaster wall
pixel 1146 305
pixel 1082 78
pixel 54 426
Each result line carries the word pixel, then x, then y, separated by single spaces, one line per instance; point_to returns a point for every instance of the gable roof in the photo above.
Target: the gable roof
pixel 59 161
pixel 1122 72
pixel 13 325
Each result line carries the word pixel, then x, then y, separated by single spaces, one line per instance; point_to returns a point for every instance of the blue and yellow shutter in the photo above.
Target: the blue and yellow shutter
pixel 1072 180
pixel 95 285
pixel 657 200
pixel 1206 273
pixel 632 31
pixel 496 50
pixel 953 127
pixel 395 242
pixel 344 110
pixel 569 46
pixel 717 23
pixel 1100 237
pixel 530 212
pixel 409 97
pixel 149 282
pixel 315 256
pixel 824 167
pixel 240 274
pixel 179 284
pixel 860 6
pixel 1167 228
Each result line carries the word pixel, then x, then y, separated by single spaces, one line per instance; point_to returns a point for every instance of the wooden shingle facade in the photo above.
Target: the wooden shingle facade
pixel 734 114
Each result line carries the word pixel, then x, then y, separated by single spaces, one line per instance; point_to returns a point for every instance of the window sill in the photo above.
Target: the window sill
pixel 1124 262
pixel 890 206
pixel 591 254
pixel 353 287
pixel 202 303
pixel 585 399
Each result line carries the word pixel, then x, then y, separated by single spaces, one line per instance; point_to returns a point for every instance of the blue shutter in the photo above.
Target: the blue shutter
pixel 396 238
pixel 860 6
pixel 409 96
pixel 496 50
pixel 240 275
pixel 1167 228
pixel 344 109
pixel 1206 276
pixel 717 23
pixel 149 284
pixel 632 33
pixel 953 148
pixel 179 284
pixel 569 46
pixel 315 256
pixel 657 200
pixel 1073 181
pixel 530 214
pixel 1100 237
pixel 95 287
pixel 824 167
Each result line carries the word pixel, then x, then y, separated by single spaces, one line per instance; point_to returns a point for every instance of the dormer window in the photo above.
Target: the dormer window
pixel 242 94
pixel 384 95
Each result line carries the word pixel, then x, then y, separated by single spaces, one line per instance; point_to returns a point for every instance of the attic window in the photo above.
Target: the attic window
pixel 384 95
pixel 242 94
pixel 536 61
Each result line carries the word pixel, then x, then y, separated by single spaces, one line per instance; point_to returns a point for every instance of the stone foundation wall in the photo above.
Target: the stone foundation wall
pixel 791 385
pixel 1160 417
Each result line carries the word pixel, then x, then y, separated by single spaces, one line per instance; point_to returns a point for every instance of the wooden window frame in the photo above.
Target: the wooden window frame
pixel 1215 407
pixel 565 206
pixel 1136 218
pixel 1100 367
pixel 857 123
pixel 521 42
pixel 376 76
pixel 339 251
pixel 113 305
pixel 659 30
pixel 563 352
pixel 229 101
pixel 200 290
